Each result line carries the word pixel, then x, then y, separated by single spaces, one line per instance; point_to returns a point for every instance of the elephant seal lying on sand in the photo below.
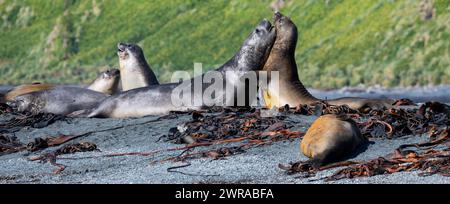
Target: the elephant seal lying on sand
pixel 57 100
pixel 106 82
pixel 331 138
pixel 62 100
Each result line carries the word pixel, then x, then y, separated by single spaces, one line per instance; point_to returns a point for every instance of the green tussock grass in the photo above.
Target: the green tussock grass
pixel 341 42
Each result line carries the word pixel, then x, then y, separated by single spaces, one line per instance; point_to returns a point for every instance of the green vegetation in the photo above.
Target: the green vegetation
pixel 342 42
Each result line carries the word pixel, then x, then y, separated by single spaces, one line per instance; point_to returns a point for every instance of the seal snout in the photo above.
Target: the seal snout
pixel 277 16
pixel 266 25
pixel 114 72
pixel 12 104
pixel 121 47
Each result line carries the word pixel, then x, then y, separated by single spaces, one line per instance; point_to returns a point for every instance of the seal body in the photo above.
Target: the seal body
pixel 291 90
pixel 57 100
pixel 157 99
pixel 282 60
pixel 134 69
pixel 331 138
pixel 107 82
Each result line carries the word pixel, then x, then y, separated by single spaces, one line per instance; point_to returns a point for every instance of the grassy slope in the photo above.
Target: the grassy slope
pixel 342 42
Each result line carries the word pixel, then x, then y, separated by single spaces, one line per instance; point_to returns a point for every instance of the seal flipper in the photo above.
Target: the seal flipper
pixel 270 100
pixel 80 113
pixel 323 159
pixel 100 111
pixel 88 113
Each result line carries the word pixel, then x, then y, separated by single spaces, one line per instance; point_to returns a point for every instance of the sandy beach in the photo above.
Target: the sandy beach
pixel 257 165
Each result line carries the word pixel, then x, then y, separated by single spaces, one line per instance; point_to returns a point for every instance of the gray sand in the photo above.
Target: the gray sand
pixel 258 165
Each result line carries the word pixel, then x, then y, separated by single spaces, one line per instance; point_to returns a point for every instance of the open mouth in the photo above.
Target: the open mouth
pixel 114 72
pixel 277 16
pixel 121 47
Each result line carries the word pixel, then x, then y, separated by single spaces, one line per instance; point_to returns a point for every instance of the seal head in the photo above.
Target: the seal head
pixel 255 49
pixel 107 82
pixel 134 69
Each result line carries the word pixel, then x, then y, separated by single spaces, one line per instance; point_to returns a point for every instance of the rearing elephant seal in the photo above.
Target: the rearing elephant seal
pixel 292 91
pixel 155 100
pixel 134 69
pixel 331 138
pixel 107 82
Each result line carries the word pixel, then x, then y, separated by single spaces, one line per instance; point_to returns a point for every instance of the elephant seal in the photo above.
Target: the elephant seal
pixel 60 100
pixel 331 138
pixel 292 91
pixel 107 82
pixel 156 100
pixel 134 69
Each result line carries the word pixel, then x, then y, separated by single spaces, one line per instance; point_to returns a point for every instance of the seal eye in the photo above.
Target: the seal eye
pixel 258 30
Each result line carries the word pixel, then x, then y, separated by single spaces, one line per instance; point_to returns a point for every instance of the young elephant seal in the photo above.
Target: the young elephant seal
pixel 331 138
pixel 155 100
pixel 134 69
pixel 57 100
pixel 107 82
pixel 291 90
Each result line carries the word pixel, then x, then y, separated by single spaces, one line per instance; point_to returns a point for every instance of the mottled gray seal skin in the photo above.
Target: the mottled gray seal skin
pixel 106 82
pixel 156 100
pixel 58 100
pixel 134 69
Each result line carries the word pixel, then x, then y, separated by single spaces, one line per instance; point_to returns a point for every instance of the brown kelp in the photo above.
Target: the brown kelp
pixel 242 127
pixel 432 118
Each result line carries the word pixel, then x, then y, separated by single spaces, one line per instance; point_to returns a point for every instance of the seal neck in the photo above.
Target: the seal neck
pixel 282 59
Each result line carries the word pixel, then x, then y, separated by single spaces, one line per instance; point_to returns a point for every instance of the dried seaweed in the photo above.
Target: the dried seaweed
pixel 226 125
pixel 431 117
pixel 319 108
pixel 66 149
pixel 10 145
pixel 245 127
pixel 430 162
pixel 393 123
pixel 40 120
pixel 43 143
pixel 5 109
